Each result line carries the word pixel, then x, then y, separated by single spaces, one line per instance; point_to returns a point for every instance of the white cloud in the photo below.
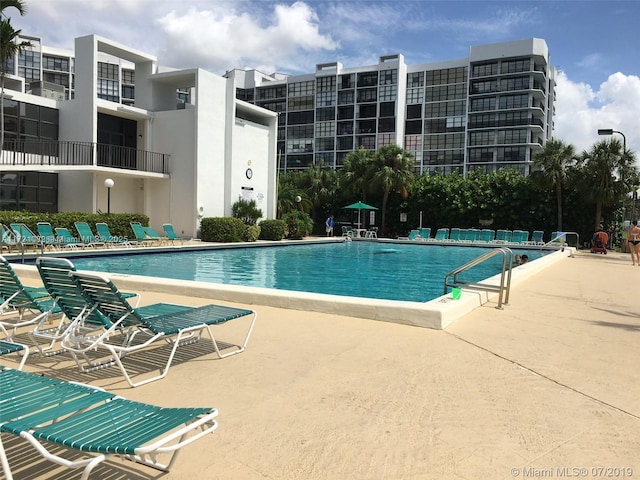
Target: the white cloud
pixel 581 111
pixel 219 39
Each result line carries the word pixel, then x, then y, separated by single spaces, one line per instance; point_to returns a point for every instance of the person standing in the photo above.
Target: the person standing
pixel 633 241
pixel 329 226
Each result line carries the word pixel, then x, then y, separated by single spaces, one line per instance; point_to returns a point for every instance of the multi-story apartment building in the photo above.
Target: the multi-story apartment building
pixel 177 144
pixel 491 110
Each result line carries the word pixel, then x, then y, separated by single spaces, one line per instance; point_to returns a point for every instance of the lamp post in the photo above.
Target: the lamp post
pixel 609 131
pixel 109 183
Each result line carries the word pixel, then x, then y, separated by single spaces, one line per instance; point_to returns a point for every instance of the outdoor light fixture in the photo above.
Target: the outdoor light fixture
pixel 610 131
pixel 109 183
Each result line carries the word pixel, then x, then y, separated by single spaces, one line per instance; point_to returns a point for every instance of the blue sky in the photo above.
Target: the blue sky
pixel 592 43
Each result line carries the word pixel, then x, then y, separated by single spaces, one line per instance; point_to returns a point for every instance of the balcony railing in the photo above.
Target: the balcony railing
pixel 51 153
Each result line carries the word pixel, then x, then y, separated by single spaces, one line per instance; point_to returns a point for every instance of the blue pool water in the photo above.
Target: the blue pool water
pixel 359 269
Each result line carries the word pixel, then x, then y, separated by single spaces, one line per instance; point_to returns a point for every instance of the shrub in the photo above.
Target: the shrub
pixel 247 211
pixel 251 233
pixel 221 229
pixel 272 230
pixel 299 224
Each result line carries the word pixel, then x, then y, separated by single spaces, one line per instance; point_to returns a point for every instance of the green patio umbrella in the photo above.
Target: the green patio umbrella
pixel 359 206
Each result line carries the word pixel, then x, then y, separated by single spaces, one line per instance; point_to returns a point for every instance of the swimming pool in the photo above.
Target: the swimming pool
pixel 406 272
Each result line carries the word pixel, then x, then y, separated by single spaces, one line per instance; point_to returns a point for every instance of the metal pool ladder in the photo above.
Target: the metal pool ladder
pixel 505 276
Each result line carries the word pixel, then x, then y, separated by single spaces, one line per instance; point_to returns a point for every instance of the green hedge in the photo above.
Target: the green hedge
pixel 222 229
pixel 118 222
pixel 272 230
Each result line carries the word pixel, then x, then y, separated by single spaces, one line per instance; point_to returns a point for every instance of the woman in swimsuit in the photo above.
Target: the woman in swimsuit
pixel 633 241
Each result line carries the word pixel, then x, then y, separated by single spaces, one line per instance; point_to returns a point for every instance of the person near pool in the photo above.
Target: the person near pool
pixel 329 226
pixel 633 241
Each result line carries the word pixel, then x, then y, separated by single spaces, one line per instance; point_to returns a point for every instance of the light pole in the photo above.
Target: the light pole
pixel 109 184
pixel 609 131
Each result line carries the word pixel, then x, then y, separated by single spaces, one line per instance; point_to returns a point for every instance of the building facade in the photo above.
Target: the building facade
pixel 178 144
pixel 491 110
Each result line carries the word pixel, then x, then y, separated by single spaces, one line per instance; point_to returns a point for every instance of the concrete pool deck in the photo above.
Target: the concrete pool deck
pixel 548 384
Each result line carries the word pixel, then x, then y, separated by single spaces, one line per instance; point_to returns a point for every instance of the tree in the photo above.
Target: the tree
pixel 357 172
pixel 247 211
pixel 608 174
pixel 319 183
pixel 393 171
pixel 553 160
pixel 17 4
pixel 10 46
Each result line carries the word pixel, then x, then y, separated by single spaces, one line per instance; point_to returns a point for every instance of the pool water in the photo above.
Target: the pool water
pixel 359 269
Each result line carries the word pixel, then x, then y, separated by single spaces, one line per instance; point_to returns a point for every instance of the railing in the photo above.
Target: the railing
pixel 505 276
pixel 53 153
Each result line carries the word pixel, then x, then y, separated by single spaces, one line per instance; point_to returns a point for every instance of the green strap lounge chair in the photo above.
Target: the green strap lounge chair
pixel 18 298
pixel 87 236
pixel 8 241
pixel 49 238
pixel 487 235
pixel 7 348
pixel 26 237
pixel 455 234
pixel 425 234
pixel 64 236
pixel 172 236
pixel 153 235
pixel 104 233
pixel 100 310
pixel 141 235
pixel 442 234
pixel 503 236
pixel 536 237
pixel 99 425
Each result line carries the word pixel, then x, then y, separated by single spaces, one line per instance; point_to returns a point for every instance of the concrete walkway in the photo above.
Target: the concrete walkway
pixel 548 385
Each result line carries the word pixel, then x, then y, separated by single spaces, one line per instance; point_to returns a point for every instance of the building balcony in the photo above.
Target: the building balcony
pixel 50 154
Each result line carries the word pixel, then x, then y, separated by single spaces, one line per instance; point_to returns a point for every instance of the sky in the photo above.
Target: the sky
pixel 593 44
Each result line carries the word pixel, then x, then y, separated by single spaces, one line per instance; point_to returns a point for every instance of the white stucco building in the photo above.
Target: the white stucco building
pixel 177 144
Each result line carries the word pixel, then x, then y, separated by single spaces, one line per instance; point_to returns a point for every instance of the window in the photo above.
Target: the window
pixel 346 97
pixel 512 154
pixel 324 114
pixel 389 77
pixel 302 131
pixel 345 143
pixel 367 79
pixel 325 129
pixel 347 81
pixel 485 86
pixel 514 101
pixel 297 118
pixel 512 136
pixel 324 144
pixel 414 111
pixel 301 89
pixel 447 75
pixel 387 109
pixel 268 93
pixel 413 127
pixel 517 83
pixel 415 79
pixel 367 95
pixel 386 125
pixel 415 95
pixel 481 104
pixel 388 93
pixel 301 103
pixel 482 138
pixel 345 113
pixel 480 155
pixel 55 63
pixel 485 69
pixel 345 128
pixel 446 92
pixel 366 111
pixel 366 126
pixel 514 66
pixel 326 84
pixel 325 99
pixel 57 78
pixel 129 77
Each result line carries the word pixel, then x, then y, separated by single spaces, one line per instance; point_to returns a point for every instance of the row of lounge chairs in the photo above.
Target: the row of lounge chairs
pixel 94 318
pixel 18 236
pixel 474 235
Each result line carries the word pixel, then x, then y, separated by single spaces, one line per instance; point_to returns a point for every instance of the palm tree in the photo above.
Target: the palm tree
pixel 553 160
pixel 357 172
pixel 319 182
pixel 394 171
pixel 17 4
pixel 10 46
pixel 609 174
